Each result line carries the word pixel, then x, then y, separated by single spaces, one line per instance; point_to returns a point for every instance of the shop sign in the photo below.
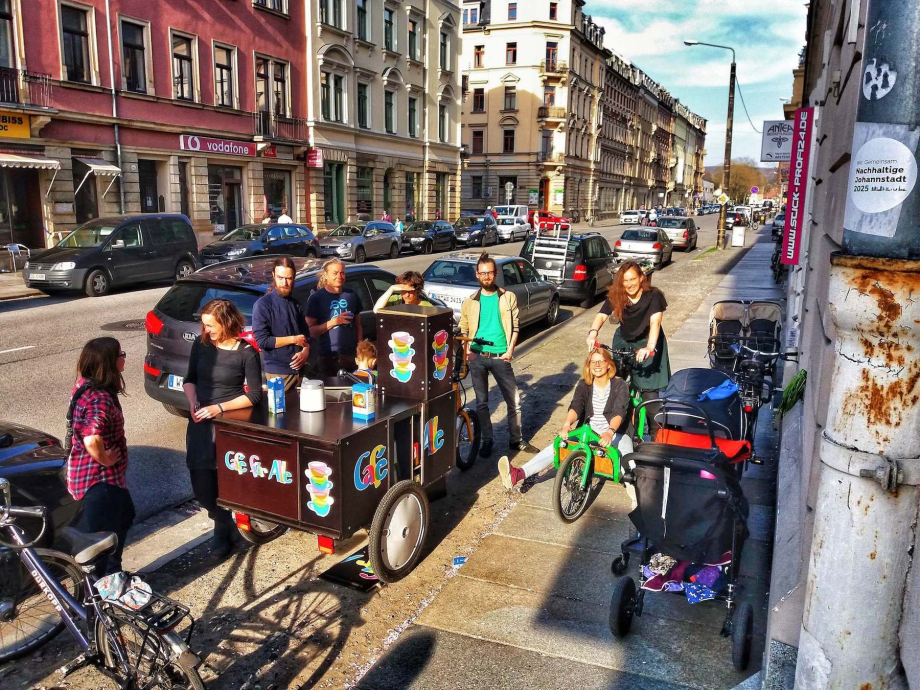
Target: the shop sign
pixel 315 158
pixel 776 142
pixel 280 152
pixel 191 142
pixel 798 184
pixel 14 125
pixel 533 197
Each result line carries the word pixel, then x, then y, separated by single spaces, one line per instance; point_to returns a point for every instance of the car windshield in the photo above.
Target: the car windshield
pixel 673 223
pixel 185 300
pixel 346 231
pixel 640 235
pixel 452 273
pixel 243 234
pixel 630 213
pixel 505 210
pixel 92 234
pixel 506 221
pixel 469 221
pixel 419 227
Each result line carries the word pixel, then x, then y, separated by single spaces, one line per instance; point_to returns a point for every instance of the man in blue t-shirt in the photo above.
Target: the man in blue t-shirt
pixel 334 321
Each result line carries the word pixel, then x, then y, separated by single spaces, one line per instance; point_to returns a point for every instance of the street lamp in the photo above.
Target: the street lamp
pixel 727 165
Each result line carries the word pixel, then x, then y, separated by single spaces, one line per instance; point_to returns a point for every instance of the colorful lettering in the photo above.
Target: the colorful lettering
pixel 374 471
pixel 279 472
pixel 237 462
pixel 432 432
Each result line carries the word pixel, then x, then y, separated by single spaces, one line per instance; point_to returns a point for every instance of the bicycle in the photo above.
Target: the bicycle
pixel 138 648
pixel 467 423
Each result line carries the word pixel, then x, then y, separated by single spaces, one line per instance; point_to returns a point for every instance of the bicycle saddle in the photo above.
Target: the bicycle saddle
pixel 86 548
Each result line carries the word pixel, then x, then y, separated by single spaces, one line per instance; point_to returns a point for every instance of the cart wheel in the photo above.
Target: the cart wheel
pixel 742 632
pixel 262 531
pixel 570 500
pixel 398 532
pixel 467 445
pixel 622 606
pixel 620 563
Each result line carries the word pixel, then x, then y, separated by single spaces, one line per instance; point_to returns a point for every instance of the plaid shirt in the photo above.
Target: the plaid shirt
pixel 96 414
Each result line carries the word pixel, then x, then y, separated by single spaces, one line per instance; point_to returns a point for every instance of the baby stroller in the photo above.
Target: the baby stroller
pixel 765 327
pixel 727 322
pixel 691 516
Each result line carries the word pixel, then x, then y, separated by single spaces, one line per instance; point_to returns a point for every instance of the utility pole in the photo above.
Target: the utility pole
pixel 727 163
pixel 860 627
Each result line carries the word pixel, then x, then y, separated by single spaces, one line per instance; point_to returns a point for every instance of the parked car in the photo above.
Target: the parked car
pixel 736 217
pixel 360 241
pixel 630 217
pixel 452 278
pixel 779 224
pixel 252 240
pixel 588 271
pixel 427 236
pixel 173 324
pixel 479 230
pixel 512 221
pixel 645 244
pixel 681 231
pixel 115 251
pixel 537 218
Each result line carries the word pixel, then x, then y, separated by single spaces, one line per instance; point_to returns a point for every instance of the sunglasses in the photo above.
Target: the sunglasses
pixel 122 354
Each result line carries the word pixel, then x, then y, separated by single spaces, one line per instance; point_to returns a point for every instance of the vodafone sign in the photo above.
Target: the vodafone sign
pixel 190 142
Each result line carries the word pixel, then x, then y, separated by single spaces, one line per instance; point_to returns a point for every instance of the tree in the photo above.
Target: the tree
pixel 744 175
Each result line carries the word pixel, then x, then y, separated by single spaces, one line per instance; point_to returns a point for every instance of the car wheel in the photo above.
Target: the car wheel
pixel 589 296
pixel 427 248
pixel 97 283
pixel 184 269
pixel 360 255
pixel 310 254
pixel 552 313
pixel 453 245
pixel 394 251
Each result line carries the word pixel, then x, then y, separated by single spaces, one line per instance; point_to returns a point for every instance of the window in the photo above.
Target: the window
pixel 76 44
pixel 363 115
pixel 510 98
pixel 478 52
pixel 279 88
pixel 554 11
pixel 444 62
pixel 511 274
pixel 530 274
pixel 511 53
pixel 133 57
pixel 549 95
pixel 389 111
pixel 365 188
pixel 442 122
pixel 389 39
pixel 277 5
pixel 332 88
pixel 413 117
pixel 552 51
pixel 512 11
pixel 546 145
pixel 476 185
pixel 183 84
pixel 362 20
pixel 479 100
pixel 413 39
pixel 334 193
pixel 223 76
pixel 478 141
pixel 330 12
pixel 6 35
pixel 466 16
pixel 508 141
pixel 411 195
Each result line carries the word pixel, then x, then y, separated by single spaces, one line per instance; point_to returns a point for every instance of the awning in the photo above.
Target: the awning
pixel 14 160
pixel 102 169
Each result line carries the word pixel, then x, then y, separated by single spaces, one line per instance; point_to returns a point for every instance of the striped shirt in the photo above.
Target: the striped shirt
pixel 599 397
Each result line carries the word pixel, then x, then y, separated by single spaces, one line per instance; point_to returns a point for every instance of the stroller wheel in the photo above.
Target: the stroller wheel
pixel 622 606
pixel 618 567
pixel 742 632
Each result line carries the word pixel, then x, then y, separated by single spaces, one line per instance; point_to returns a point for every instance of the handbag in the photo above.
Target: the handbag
pixel 68 434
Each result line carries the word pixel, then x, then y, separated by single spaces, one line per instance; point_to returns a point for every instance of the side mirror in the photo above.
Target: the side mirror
pixel 118 244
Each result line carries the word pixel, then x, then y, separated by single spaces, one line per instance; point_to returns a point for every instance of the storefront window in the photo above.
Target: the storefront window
pixel 440 195
pixel 366 191
pixel 411 196
pixel 21 208
pixel 277 185
pixel 225 197
pixel 86 205
pixel 334 192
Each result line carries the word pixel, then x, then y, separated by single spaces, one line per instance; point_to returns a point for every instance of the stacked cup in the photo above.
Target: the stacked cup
pixel 401 357
pixel 319 488
pixel 440 359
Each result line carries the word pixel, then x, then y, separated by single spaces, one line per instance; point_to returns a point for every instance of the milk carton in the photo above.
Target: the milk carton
pixel 276 395
pixel 363 401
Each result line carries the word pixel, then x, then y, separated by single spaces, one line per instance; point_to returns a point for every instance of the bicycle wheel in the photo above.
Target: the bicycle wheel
pixel 27 619
pixel 467 444
pixel 151 656
pixel 570 499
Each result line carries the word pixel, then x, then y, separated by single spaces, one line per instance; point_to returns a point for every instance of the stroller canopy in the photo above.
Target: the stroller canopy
pixel 726 415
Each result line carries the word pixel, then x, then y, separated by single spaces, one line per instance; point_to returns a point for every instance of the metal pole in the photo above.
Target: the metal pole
pixel 727 164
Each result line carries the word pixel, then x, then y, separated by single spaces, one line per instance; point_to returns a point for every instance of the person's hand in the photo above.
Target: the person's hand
pixel 507 356
pixel 643 353
pixel 606 438
pixel 565 429
pixel 300 340
pixel 208 412
pixel 298 360
pixel 591 339
pixel 342 319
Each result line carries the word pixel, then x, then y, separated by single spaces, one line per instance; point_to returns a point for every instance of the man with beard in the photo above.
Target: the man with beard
pixel 491 314
pixel 280 327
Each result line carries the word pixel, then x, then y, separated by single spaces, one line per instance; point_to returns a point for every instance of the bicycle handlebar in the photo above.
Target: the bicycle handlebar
pixel 474 341
pixel 616 352
pixel 7 510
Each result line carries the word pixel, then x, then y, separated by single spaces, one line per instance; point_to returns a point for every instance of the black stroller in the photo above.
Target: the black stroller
pixel 690 510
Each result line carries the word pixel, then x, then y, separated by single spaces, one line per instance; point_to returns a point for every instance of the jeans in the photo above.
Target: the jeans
pixel 204 486
pixel 108 508
pixel 480 367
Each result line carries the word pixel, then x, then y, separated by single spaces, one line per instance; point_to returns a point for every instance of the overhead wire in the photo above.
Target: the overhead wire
pixel 738 83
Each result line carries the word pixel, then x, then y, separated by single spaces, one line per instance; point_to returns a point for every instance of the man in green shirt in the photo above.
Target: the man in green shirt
pixel 491 314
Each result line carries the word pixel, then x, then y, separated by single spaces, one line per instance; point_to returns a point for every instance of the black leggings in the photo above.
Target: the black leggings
pixel 650 411
pixel 108 508
pixel 204 484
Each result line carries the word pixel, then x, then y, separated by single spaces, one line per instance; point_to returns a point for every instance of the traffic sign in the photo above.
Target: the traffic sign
pixel 509 187
pixel 723 198
pixel 754 190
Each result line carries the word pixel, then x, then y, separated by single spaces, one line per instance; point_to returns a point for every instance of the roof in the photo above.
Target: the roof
pixel 473 257
pixel 121 217
pixel 256 272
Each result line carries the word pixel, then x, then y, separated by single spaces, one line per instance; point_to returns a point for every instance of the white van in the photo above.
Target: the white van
pixel 630 217
pixel 512 222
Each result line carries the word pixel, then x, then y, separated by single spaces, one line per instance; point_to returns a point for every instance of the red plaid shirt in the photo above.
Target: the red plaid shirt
pixel 96 414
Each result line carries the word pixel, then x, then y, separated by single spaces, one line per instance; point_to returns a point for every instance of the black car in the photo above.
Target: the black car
pixel 252 240
pixel 173 324
pixel 481 230
pixel 588 271
pixel 116 251
pixel 426 236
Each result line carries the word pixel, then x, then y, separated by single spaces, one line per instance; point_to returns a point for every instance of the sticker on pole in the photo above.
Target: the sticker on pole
pixel 883 173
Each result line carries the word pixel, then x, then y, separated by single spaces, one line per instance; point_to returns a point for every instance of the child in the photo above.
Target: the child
pixel 366 359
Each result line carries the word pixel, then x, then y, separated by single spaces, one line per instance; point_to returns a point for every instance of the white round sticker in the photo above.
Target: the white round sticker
pixel 885 172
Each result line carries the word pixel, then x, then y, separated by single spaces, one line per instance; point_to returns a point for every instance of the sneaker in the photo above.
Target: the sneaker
pixel 523 446
pixel 511 476
pixel 485 450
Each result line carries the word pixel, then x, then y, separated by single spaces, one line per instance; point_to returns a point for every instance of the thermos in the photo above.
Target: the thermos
pixel 312 396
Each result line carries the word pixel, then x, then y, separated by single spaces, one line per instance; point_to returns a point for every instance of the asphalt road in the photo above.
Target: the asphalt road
pixel 41 337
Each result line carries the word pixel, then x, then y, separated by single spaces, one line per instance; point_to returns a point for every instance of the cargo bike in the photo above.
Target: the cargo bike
pixel 331 473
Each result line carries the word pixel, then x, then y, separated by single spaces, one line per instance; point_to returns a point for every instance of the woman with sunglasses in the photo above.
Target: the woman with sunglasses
pixel 601 400
pixel 98 462
pixel 406 290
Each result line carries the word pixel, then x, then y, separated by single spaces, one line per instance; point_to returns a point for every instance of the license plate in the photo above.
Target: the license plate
pixel 550 274
pixel 327 252
pixel 174 382
pixel 208 262
pixel 38 276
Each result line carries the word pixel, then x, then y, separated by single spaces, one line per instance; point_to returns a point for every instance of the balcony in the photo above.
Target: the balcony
pixel 550 157
pixel 25 88
pixel 556 68
pixel 269 126
pixel 549 112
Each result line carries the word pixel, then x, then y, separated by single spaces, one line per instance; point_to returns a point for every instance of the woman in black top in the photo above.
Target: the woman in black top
pixel 639 308
pixel 223 374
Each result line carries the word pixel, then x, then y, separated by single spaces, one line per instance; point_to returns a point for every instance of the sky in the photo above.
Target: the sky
pixel 766 35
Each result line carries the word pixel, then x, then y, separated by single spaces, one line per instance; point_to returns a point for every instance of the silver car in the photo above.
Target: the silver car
pixel 452 279
pixel 512 228
pixel 644 244
pixel 680 230
pixel 360 241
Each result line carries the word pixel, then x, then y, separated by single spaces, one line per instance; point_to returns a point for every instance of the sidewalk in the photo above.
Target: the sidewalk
pixel 530 607
pixel 12 286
